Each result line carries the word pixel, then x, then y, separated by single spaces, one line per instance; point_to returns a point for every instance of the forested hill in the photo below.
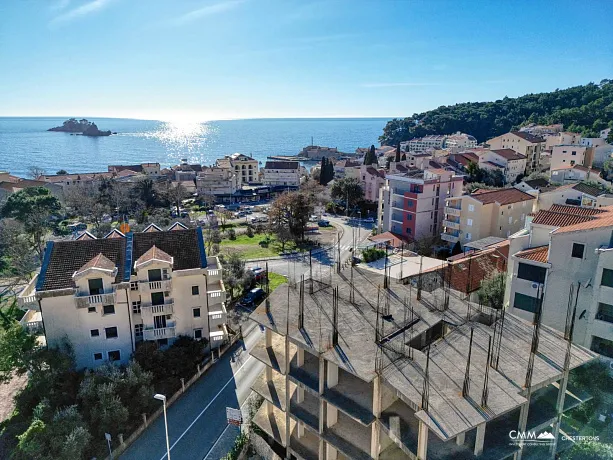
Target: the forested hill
pixel 586 109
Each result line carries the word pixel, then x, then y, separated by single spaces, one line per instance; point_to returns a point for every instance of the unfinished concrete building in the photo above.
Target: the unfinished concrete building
pixel 359 366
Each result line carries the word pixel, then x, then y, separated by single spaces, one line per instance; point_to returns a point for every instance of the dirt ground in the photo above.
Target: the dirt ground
pixel 8 391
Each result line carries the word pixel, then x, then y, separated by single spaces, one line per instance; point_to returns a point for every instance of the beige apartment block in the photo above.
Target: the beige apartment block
pixel 362 368
pixel 245 167
pixel 485 213
pixel 522 142
pixel 569 155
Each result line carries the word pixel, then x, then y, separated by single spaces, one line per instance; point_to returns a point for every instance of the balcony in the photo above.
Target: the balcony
pixel 148 286
pixel 213 275
pixel 159 333
pixel 217 318
pixel 85 299
pixel 450 238
pixel 167 308
pixel 216 297
pixel 452 211
pixel 451 224
pixel 27 297
pixel 32 321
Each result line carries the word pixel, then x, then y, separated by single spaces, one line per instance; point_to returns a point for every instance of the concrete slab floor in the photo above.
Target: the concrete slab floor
pixel 273 356
pixel 273 391
pixel 306 446
pixel 353 396
pixel 308 373
pixel 349 436
pixel 272 424
pixel 306 411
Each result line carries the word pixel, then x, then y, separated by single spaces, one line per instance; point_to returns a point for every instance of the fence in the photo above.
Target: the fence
pixel 124 444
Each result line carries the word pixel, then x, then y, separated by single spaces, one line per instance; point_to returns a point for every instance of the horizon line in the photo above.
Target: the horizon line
pixel 91 118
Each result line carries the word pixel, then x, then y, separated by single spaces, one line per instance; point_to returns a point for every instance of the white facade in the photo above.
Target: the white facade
pixel 217 181
pixel 460 141
pixel 282 173
pixel 420 144
pixel 566 155
pixel 246 168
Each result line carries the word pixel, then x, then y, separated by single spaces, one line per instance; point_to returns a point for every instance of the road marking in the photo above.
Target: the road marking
pixel 206 408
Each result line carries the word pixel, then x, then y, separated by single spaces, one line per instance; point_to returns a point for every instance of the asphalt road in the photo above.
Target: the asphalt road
pixel 197 425
pixel 198 418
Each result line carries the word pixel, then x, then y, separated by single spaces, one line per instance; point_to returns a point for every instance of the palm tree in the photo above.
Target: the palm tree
pixel 146 192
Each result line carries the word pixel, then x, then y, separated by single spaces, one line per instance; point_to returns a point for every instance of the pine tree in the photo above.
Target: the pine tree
pixel 322 174
pixel 397 159
pixel 404 157
pixel 371 156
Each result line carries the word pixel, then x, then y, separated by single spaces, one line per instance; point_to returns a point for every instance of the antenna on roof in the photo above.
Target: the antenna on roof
pixel 466 386
pixel 535 335
pixel 426 390
pixel 484 395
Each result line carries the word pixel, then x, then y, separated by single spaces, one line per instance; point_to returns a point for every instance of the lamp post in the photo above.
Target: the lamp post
pixel 162 398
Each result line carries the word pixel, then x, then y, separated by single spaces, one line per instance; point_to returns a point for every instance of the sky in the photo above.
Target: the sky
pixel 224 59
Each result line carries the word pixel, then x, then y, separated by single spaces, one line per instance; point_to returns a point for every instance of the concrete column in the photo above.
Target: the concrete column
pixel 300 394
pixel 331 415
pixel 521 426
pixel 300 430
pixel 287 400
pixel 459 440
pixel 374 440
pixel 268 374
pixel 269 407
pixel 559 410
pixel 422 441
pixel 480 439
pixel 332 377
pixel 331 452
pixel 300 357
pixel 268 335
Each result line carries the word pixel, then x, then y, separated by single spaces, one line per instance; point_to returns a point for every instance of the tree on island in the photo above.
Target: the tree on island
pixel 371 156
pixel 61 172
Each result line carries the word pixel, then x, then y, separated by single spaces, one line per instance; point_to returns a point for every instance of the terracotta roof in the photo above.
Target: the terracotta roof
pixel 587 189
pixel 374 172
pixel 114 234
pixel 509 154
pixel 574 210
pixel 85 236
pixel 154 253
pixel 538 254
pixel 182 245
pixel 471 156
pixel 537 183
pixel 559 219
pixel 605 219
pixel 282 165
pixel 99 261
pixel 502 196
pixel 394 240
pixel 528 137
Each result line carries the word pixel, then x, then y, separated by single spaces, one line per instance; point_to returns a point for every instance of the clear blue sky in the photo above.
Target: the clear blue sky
pixel 213 59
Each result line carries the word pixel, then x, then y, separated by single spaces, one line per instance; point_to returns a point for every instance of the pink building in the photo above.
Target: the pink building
pixel 412 204
pixel 371 179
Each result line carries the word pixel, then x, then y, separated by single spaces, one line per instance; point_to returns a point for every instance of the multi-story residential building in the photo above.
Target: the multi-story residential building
pixel 411 205
pixel 149 169
pixel 542 130
pixel 341 166
pixel 281 173
pixel 213 180
pixel 460 161
pixel 69 181
pixel 460 141
pixel 485 213
pixel 562 138
pixel 342 383
pixel 576 173
pixel 419 160
pixel 570 155
pixel 106 295
pixel 508 161
pixel 246 168
pixel 371 179
pixel 593 141
pixel 562 247
pixel 522 142
pixel 420 144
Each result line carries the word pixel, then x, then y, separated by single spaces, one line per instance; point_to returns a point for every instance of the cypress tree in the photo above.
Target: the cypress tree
pixel 404 157
pixel 397 159
pixel 322 173
pixel 371 156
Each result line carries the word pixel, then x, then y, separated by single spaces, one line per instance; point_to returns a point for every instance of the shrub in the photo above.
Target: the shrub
pixel 250 231
pixel 372 254
pixel 231 234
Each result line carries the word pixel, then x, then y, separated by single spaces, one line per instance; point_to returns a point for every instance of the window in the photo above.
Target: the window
pixel 408 231
pixel 469 222
pixel 111 332
pixel 91 309
pixel 468 236
pixel 157 298
pixel 471 207
pixel 409 204
pixel 602 346
pixel 409 217
pixel 531 273
pixel 136 306
pixel 95 286
pixel 195 290
pixel 138 331
pixel 155 275
pixel 578 250
pixel 134 286
pixel 94 333
pixel 108 309
pixel 605 312
pixel 159 321
pixel 114 355
pixel 197 334
pixel 97 356
pixel 196 312
pixel 510 219
pixel 607 277
pixel 525 302
pixel 574 152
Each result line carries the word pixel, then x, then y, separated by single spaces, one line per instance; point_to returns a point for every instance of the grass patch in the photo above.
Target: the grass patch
pixel 250 248
pixel 275 280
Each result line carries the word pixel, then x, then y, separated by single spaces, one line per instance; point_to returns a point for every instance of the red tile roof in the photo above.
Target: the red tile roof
pixel 538 254
pixel 509 154
pixel 99 261
pixel 575 210
pixel 502 196
pixel 154 253
pixel 556 219
pixel 528 137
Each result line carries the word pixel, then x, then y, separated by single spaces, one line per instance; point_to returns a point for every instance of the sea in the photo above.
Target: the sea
pixel 25 141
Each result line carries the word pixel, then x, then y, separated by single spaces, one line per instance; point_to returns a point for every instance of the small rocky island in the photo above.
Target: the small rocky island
pixel 83 127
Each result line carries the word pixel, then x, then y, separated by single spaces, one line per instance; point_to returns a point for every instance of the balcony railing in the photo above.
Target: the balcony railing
pixel 159 333
pixel 216 297
pixel 27 297
pixel 451 224
pixel 450 238
pixel 167 308
pixel 214 275
pixel 148 286
pixel 452 211
pixel 84 299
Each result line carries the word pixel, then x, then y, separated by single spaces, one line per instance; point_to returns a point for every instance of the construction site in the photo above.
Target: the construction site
pixel 360 365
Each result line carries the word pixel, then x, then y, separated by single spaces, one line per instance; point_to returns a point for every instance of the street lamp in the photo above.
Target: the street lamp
pixel 162 398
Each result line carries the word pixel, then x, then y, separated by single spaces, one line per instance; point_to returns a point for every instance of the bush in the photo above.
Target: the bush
pixel 231 234
pixel 265 242
pixel 249 231
pixel 372 254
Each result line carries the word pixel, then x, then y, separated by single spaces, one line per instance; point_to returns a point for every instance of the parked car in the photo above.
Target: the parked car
pixel 258 273
pixel 324 223
pixel 252 298
pixel 369 220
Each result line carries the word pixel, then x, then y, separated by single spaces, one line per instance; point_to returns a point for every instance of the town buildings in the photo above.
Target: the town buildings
pixel 522 142
pixel 576 173
pixel 148 169
pixel 246 168
pixel 316 152
pixel 460 141
pixel 561 247
pixel 570 155
pixel 371 179
pixel 485 213
pixel 562 138
pixel 215 181
pixel 509 162
pixel 411 204
pixel 282 173
pixel 421 144
pixel 360 368
pixel 106 295
pixel 542 130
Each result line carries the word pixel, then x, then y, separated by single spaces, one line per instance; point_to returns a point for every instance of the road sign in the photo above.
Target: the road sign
pixel 235 416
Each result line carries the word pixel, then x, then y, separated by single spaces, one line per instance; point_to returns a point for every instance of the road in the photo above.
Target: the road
pixel 197 420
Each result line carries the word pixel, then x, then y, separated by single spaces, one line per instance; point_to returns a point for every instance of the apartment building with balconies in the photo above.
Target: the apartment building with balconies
pixel 522 142
pixel 562 247
pixel 411 204
pixel 107 295
pixel 355 370
pixel 245 167
pixel 485 213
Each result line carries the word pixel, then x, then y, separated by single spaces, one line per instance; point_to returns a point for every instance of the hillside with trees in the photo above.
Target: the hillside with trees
pixel 587 109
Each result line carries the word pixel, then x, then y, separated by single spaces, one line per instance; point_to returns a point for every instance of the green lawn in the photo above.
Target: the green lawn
pixel 275 280
pixel 249 248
